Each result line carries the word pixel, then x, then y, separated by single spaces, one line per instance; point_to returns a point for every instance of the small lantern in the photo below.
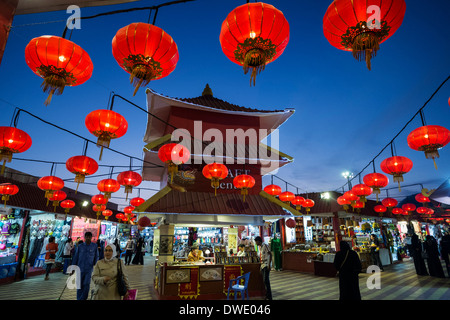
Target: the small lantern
pixel 108 186
pixel 244 182
pixel 58 196
pixel 12 140
pixel 397 166
pixel 272 189
pixel 173 154
pixel 298 202
pixel 7 190
pixel 81 166
pixel 107 213
pixel 50 184
pixel 129 179
pixel 215 172
pixel 136 202
pixel 286 196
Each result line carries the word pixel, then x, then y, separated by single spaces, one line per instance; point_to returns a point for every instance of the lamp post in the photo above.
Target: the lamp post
pixel 348 176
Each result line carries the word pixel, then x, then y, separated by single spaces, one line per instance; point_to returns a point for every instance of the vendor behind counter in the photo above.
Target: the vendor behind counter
pixel 196 254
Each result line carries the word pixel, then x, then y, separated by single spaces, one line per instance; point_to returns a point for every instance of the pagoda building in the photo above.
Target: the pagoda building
pixel 214 131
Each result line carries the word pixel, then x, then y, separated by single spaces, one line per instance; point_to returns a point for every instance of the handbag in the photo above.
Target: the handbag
pixel 120 281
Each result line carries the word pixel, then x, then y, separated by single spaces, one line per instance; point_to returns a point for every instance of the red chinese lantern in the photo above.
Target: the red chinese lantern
pixel 57 196
pixel 244 182
pixel 59 62
pixel 359 204
pixel 50 184
pixel 253 35
pixel 128 209
pixel 108 186
pixel 376 181
pixel 272 189
pixel 379 208
pixel 99 199
pixel 351 196
pixel 422 199
pixel 308 204
pixel 146 52
pixel 144 222
pixel 362 191
pixel 105 125
pixel 286 196
pixel 360 26
pixel 396 166
pixel 344 202
pixel 81 166
pixel 7 190
pixel 173 154
pixel 215 172
pixel 129 179
pixel 290 223
pixel 99 208
pixel 136 202
pixel 408 207
pixel 120 216
pixel 67 205
pixel 429 139
pixel 12 140
pixel 389 203
pixel 107 213
pixel 397 211
pixel 298 202
pixel 430 211
pixel 422 210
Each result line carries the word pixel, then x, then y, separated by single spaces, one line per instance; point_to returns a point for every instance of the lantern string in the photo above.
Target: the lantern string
pixel 404 127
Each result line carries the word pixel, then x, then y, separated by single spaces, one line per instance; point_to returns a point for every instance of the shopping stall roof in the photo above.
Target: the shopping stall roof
pixel 442 193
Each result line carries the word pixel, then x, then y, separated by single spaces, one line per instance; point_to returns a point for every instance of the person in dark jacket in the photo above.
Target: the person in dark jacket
pixel 415 250
pixel 348 264
pixel 139 256
pixel 434 263
pixel 445 250
pixel 375 251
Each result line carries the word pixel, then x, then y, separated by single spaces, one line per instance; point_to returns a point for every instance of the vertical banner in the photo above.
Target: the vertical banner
pixel 230 273
pixel 190 290
pixel 156 243
pixel 232 239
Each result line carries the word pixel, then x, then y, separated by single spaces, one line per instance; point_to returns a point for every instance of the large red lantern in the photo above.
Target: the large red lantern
pixel 12 140
pixel 50 184
pixel 253 35
pixel 308 204
pixel 389 203
pixel 146 52
pixel 397 210
pixel 408 208
pixel 422 199
pixel 244 182
pixel 344 202
pixel 136 202
pixel 108 186
pixel 362 191
pixel 67 205
pixel 298 202
pixel 98 208
pixel 59 62
pixel 429 139
pixel 129 179
pixel 430 211
pixel 7 190
pixel 144 222
pixel 376 181
pixel 173 154
pixel 107 213
pixel 351 196
pixel 272 189
pixel 290 223
pixel 286 196
pixel 380 208
pixel 422 210
pixel 81 166
pixel 360 26
pixel 120 216
pixel 396 166
pixel 57 196
pixel 99 199
pixel 105 125
pixel 215 172
pixel 358 205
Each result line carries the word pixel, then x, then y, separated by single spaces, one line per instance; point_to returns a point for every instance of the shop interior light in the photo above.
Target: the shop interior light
pixel 325 195
pixel 85 203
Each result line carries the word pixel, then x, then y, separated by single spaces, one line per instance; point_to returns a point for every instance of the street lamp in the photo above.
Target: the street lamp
pixel 348 175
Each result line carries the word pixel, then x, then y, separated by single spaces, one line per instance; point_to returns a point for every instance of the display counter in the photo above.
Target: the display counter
pixel 299 261
pixel 204 281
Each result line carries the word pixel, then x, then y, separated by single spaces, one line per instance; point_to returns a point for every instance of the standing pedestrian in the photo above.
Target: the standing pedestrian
pixel 375 251
pixel 348 265
pixel 138 257
pixel 118 250
pixel 434 263
pixel 266 261
pixel 276 248
pixel 86 256
pixel 445 250
pixel 105 276
pixel 129 248
pixel 415 251
pixel 50 255
pixel 67 254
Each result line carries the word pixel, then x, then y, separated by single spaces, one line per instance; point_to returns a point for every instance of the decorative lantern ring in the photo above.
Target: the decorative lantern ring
pixel 253 35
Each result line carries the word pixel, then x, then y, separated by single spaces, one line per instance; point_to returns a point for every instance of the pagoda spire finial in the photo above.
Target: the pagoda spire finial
pixel 207 91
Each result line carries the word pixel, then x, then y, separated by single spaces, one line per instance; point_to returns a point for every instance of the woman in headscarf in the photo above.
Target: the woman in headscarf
pixel 348 264
pixel 105 275
pixel 434 263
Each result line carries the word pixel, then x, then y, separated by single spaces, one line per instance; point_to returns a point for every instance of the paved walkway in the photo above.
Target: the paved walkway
pixel 398 282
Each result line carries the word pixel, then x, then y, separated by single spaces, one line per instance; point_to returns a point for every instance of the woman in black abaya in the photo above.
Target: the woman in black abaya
pixel 348 264
pixel 434 263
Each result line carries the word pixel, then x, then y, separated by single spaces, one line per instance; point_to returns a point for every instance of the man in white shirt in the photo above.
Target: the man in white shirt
pixel 266 260
pixel 129 250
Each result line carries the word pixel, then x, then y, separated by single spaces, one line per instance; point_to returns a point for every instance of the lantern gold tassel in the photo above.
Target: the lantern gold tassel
pixel 256 60
pixel 140 76
pixel 3 167
pixel 53 84
pixel 365 46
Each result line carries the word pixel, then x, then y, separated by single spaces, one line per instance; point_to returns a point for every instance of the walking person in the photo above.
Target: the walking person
pixel 118 250
pixel 138 257
pixel 85 257
pixel 434 263
pixel 375 251
pixel 266 261
pixel 415 251
pixel 348 265
pixel 67 255
pixel 105 276
pixel 129 249
pixel 50 255
pixel 445 250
